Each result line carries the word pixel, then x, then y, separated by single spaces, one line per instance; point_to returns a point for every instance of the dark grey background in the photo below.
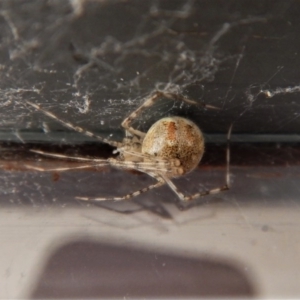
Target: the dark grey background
pixel 61 54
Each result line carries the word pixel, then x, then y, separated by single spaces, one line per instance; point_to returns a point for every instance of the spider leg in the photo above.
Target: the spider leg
pixel 185 198
pixel 62 169
pixel 73 127
pixel 217 190
pixel 148 167
pixel 159 183
pixel 143 166
pixel 57 155
pixel 149 102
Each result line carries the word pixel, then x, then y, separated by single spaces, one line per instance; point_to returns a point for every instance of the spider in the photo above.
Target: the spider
pixel 172 147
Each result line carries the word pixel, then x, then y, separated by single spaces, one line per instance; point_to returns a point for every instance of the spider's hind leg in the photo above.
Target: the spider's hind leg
pixel 125 197
pixel 186 198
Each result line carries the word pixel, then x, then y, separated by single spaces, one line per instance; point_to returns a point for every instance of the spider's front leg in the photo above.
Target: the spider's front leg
pixel 73 127
pixel 157 95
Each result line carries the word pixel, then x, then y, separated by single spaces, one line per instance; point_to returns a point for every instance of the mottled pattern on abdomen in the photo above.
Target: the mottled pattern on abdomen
pixel 175 137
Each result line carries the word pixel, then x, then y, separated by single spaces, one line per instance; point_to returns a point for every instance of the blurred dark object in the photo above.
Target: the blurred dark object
pixel 86 269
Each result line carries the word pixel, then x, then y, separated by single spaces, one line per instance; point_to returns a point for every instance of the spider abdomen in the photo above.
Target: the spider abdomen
pixel 175 138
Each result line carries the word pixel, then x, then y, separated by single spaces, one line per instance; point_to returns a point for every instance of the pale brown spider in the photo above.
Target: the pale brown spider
pixel 171 148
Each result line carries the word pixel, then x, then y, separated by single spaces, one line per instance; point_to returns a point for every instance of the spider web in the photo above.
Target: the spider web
pixel 91 63
pixel 80 61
